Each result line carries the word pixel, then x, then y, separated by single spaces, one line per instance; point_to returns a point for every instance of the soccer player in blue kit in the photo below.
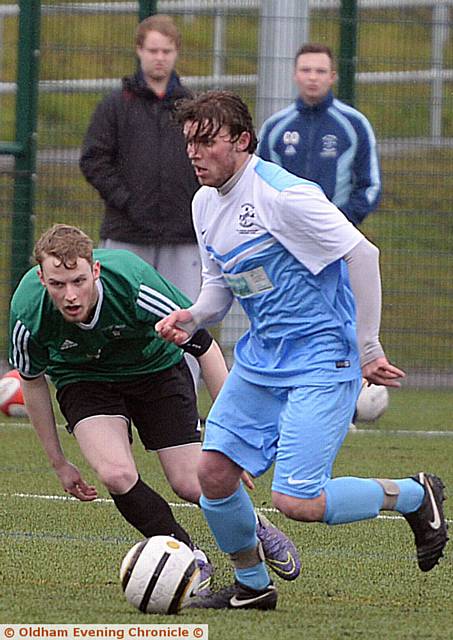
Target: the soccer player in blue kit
pixel 309 283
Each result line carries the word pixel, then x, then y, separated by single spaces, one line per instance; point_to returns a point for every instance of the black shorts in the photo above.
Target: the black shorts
pixel 162 406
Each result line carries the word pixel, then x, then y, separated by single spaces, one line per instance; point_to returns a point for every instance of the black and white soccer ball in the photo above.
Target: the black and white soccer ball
pixel 159 575
pixel 372 403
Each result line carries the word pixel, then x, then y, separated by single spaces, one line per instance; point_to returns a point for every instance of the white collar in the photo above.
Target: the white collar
pixel 97 311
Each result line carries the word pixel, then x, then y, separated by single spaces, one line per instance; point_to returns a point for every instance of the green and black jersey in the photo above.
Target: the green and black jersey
pixel 119 342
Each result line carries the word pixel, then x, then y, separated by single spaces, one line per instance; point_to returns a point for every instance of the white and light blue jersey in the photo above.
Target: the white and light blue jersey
pixel 277 242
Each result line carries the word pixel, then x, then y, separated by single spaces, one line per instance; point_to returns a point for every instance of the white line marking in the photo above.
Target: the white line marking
pixel 35 496
pixel 447 433
pixel 23 425
pixel 405 432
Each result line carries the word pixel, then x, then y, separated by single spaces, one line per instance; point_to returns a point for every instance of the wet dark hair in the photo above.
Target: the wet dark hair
pixel 66 243
pixel 212 110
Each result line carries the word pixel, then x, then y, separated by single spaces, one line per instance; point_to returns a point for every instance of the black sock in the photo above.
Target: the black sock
pixel 148 512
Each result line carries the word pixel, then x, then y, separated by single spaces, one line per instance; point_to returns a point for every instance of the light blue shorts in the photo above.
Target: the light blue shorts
pixel 301 429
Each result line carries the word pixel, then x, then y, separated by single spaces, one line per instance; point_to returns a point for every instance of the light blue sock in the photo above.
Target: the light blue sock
pixel 255 577
pixel 411 495
pixel 352 499
pixel 232 521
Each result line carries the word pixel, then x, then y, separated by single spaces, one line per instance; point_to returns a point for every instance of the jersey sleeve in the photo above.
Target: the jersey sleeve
pixel 310 227
pixel 210 271
pixel 26 354
pixel 366 192
pixel 215 298
pixel 98 160
pixel 156 297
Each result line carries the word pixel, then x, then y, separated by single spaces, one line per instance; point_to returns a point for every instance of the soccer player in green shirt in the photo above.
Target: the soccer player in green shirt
pixel 86 319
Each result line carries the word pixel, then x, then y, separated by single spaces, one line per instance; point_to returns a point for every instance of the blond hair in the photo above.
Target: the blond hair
pixel 161 23
pixel 66 243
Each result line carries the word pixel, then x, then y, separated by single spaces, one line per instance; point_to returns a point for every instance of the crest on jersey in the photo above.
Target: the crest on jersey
pixel 114 330
pixel 247 219
pixel 329 146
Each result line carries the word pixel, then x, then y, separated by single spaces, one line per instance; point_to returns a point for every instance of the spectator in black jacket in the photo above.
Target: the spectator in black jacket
pixel 134 156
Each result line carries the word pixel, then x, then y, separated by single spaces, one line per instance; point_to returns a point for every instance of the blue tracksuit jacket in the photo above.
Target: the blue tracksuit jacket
pixel 332 144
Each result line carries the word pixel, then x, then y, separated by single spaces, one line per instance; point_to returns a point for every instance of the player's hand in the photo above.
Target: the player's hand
pixel 246 479
pixel 168 328
pixel 74 484
pixel 380 371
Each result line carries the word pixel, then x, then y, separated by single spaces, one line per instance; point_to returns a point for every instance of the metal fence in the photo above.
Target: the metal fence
pixel 404 74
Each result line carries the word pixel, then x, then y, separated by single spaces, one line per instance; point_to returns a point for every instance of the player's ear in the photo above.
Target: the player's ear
pixel 96 269
pixel 41 277
pixel 243 141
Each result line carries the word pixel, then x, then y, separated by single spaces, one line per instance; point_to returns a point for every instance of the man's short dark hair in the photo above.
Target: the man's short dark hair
pixel 314 47
pixel 211 111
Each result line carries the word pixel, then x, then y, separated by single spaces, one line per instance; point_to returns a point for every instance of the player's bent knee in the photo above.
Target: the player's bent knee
pixel 117 480
pixel 302 509
pixel 218 476
pixel 187 490
pixel 210 482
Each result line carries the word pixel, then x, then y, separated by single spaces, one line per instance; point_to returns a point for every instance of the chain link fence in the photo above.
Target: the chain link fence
pixel 404 85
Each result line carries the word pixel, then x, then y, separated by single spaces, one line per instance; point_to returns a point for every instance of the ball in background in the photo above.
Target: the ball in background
pixel 11 398
pixel 159 575
pixel 373 401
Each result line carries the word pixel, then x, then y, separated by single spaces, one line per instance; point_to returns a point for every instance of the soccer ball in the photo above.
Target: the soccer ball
pixel 372 403
pixel 159 575
pixel 11 398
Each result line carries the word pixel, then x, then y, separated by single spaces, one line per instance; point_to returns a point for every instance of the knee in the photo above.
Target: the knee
pixel 210 478
pixel 218 475
pixel 117 479
pixel 302 509
pixel 186 488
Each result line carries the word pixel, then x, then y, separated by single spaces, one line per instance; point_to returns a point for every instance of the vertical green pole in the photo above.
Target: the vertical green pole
pixel 348 51
pixel 26 119
pixel 146 8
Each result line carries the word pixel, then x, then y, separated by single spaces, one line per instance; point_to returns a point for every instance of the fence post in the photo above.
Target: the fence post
pixel 146 8
pixel 219 44
pixel 26 119
pixel 440 35
pixel 348 51
pixel 283 28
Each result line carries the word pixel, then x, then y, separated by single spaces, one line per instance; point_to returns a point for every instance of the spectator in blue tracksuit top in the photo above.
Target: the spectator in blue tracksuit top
pixel 323 139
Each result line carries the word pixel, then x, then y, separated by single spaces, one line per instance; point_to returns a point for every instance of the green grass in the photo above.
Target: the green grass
pixel 60 558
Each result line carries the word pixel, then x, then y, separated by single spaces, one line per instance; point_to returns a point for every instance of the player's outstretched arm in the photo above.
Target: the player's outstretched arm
pixel 39 408
pixel 364 274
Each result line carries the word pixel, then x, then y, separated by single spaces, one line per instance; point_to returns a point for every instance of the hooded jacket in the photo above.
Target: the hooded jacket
pixel 332 144
pixel 134 155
